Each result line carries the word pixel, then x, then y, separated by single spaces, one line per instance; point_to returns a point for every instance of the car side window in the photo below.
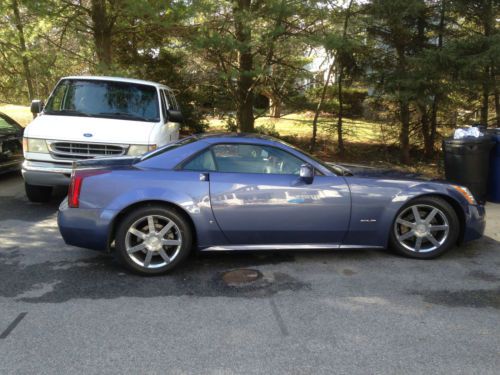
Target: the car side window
pixel 6 126
pixel 250 158
pixel 202 162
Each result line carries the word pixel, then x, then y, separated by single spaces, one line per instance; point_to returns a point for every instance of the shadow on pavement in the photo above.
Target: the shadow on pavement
pixel 15 205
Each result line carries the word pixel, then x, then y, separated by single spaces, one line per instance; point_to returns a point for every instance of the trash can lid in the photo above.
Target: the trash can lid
pixel 485 139
pixel 494 131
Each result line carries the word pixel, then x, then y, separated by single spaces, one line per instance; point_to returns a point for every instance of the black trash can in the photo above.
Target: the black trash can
pixel 494 176
pixel 466 163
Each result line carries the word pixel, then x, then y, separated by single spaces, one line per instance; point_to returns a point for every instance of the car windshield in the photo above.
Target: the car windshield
pixel 168 148
pixel 6 127
pixel 332 167
pixel 107 99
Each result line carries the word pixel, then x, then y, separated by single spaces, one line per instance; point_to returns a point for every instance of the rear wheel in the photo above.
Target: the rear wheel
pixel 425 228
pixel 153 240
pixel 37 193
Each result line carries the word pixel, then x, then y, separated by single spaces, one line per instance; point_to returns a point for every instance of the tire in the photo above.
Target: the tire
pixel 38 194
pixel 434 233
pixel 135 242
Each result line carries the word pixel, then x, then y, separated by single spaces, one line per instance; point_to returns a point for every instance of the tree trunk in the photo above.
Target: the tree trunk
pixel 497 102
pixel 22 45
pixel 340 70
pixel 429 145
pixel 102 33
pixel 485 98
pixel 426 125
pixel 404 135
pixel 404 111
pixel 245 94
pixel 488 24
pixel 340 136
pixel 312 144
pixel 274 107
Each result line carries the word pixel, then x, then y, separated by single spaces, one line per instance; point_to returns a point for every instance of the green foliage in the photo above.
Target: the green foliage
pixel 269 129
pixel 437 59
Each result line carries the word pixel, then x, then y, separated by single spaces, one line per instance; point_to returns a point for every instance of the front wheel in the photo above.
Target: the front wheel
pixel 39 194
pixel 153 240
pixel 425 228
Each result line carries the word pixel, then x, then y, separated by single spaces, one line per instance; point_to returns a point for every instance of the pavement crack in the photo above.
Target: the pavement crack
pixel 12 325
pixel 279 318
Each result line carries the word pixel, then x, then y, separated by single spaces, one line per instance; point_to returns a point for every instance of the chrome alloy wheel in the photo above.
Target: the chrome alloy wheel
pixel 153 241
pixel 421 228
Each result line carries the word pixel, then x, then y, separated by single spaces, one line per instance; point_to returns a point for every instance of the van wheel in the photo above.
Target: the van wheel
pixel 38 194
pixel 153 240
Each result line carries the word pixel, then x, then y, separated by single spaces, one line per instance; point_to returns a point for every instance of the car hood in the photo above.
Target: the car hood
pixel 89 129
pixel 359 170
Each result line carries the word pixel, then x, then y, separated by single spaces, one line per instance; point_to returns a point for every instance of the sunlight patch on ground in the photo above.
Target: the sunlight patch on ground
pixel 20 113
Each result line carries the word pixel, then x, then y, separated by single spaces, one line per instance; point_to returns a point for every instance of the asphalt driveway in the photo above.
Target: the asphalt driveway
pixel 69 310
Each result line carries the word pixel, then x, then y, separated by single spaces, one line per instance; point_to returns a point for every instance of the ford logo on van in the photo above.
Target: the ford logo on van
pixel 88 135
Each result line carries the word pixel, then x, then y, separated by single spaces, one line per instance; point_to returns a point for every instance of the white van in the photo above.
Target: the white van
pixel 87 117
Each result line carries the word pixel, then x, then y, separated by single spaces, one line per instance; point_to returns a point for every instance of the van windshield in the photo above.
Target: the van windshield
pixel 107 99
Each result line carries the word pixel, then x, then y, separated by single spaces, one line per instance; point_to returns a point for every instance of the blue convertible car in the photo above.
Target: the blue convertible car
pixel 249 192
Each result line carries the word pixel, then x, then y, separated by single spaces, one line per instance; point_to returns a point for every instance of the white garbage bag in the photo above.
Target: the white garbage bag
pixel 467 132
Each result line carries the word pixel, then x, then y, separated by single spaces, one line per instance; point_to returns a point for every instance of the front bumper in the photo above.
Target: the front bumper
pixel 475 222
pixel 85 227
pixel 43 173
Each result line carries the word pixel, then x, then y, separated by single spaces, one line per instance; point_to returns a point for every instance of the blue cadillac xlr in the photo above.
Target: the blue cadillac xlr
pixel 247 192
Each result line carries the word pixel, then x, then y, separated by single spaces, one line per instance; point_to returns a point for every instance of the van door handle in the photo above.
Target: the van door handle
pixel 204 177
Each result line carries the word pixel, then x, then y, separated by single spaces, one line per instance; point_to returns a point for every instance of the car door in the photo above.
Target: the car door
pixel 257 197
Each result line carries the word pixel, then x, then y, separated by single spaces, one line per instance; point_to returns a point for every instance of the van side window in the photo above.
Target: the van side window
pixel 164 107
pixel 172 100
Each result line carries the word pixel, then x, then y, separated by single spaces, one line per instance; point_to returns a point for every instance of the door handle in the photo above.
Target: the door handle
pixel 204 177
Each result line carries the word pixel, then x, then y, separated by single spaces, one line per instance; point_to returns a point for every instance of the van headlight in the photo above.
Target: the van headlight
pixel 136 150
pixel 35 145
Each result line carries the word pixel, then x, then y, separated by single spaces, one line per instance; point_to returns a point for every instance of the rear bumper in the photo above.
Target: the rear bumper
pixel 475 222
pixel 46 174
pixel 85 227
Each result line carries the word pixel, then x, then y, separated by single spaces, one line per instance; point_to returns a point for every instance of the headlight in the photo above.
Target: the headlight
pixel 465 193
pixel 35 145
pixel 136 150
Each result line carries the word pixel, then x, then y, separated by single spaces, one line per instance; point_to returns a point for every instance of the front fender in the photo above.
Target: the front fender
pixel 375 203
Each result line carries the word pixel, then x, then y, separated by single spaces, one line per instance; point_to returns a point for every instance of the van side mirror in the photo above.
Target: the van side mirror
pixel 36 107
pixel 175 116
pixel 307 173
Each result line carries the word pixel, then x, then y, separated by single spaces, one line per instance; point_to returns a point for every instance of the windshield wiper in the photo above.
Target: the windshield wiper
pixel 69 112
pixel 123 115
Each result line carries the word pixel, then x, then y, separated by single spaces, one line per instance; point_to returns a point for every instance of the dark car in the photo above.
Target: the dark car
pixel 11 144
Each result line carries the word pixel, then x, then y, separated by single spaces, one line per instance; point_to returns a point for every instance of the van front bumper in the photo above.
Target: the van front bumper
pixel 43 173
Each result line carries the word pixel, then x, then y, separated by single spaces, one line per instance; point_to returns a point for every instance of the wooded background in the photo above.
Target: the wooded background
pixel 420 66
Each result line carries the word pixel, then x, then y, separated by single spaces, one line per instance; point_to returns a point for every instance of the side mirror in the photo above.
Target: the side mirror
pixel 175 116
pixel 36 107
pixel 307 173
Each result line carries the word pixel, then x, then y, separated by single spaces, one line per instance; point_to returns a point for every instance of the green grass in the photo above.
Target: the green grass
pixel 300 125
pixel 19 113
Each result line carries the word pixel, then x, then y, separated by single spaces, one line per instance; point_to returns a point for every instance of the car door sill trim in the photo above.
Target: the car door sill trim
pixel 286 247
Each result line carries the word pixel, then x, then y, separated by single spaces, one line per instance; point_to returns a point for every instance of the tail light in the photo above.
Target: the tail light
pixel 75 185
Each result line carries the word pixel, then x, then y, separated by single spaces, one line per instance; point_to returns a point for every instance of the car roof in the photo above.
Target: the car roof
pixel 235 137
pixel 118 79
